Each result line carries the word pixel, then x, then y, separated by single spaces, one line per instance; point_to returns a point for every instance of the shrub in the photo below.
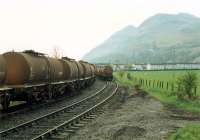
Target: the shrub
pixel 137 87
pixel 129 77
pixel 121 74
pixel 189 132
pixel 186 84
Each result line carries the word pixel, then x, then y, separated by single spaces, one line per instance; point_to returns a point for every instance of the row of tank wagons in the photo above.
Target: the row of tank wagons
pixel 31 76
pixel 104 72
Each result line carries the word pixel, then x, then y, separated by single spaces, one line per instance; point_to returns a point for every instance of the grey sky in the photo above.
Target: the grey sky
pixel 75 26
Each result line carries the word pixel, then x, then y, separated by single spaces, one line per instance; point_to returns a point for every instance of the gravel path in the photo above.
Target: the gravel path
pixel 132 116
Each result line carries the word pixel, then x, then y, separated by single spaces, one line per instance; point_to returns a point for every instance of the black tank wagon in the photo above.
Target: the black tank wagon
pixel 104 72
pixel 31 76
pixel 2 69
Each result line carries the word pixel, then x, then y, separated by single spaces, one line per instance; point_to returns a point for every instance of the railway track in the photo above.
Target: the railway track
pixel 45 126
pixel 22 108
pixel 9 120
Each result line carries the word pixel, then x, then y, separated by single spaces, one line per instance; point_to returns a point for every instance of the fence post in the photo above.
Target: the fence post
pixel 149 83
pixel 178 87
pixel 195 91
pixel 146 82
pixel 167 86
pixel 153 83
pixel 142 82
pixel 172 86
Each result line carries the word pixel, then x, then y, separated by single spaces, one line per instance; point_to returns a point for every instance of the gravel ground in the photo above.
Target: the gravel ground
pixel 133 116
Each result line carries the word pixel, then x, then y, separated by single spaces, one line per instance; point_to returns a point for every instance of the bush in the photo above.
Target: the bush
pixel 190 132
pixel 121 74
pixel 186 85
pixel 129 77
pixel 137 87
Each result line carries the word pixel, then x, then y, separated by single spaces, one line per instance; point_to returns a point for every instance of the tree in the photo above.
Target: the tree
pixel 56 52
pixel 129 77
pixel 186 85
pixel 128 66
pixel 121 74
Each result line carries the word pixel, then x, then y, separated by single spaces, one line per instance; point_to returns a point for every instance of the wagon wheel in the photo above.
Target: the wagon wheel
pixel 6 102
pixel 50 95
pixel 44 96
pixel 49 92
pixel 31 98
pixel 62 90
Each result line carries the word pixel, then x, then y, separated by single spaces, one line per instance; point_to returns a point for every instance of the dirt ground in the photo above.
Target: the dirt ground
pixel 134 116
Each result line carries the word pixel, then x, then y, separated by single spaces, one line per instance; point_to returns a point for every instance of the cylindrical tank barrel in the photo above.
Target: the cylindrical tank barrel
pixel 80 70
pixel 87 69
pixel 56 70
pixel 2 69
pixel 93 69
pixel 24 68
pixel 70 69
pixel 108 71
pixel 75 70
pixel 90 70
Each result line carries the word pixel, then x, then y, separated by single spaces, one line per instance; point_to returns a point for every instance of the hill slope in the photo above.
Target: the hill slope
pixel 159 39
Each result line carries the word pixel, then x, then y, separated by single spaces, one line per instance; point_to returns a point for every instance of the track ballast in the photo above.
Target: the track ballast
pixel 48 125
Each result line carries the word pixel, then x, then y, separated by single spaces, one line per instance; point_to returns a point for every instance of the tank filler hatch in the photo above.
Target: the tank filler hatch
pixel 32 52
pixel 82 61
pixel 67 58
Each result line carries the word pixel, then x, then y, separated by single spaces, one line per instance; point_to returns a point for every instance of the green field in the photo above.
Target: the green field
pixel 165 95
pixel 170 76
pixel 162 94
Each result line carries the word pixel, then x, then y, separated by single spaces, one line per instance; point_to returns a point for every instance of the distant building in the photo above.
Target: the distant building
pixel 148 66
pixel 167 66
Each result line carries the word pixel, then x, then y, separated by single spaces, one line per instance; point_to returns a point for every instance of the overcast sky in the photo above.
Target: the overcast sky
pixel 75 26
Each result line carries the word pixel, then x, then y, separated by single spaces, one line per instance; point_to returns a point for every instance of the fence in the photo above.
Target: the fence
pixel 161 85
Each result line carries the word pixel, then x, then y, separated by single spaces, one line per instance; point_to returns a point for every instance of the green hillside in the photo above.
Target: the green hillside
pixel 159 39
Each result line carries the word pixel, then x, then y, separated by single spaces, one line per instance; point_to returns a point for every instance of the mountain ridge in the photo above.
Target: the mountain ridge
pixel 161 38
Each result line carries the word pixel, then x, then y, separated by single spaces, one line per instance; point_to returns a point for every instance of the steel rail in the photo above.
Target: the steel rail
pixel 5 132
pixel 75 118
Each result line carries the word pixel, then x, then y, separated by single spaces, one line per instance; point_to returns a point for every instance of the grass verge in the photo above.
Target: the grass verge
pixel 163 95
pixel 189 132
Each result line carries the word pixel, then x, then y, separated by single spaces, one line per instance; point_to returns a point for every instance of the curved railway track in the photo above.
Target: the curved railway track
pixel 45 126
pixel 28 113
pixel 24 107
